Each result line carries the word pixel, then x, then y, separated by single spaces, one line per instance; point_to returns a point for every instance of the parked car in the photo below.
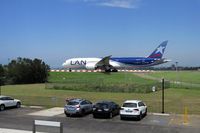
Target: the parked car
pixel 105 109
pixel 133 109
pixel 6 101
pixel 78 107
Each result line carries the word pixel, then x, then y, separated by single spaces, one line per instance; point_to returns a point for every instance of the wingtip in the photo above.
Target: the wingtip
pixel 166 41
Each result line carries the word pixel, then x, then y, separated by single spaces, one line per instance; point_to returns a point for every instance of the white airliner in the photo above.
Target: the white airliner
pixel 109 63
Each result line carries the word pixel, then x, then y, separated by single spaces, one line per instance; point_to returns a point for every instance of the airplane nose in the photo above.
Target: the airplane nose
pixel 64 64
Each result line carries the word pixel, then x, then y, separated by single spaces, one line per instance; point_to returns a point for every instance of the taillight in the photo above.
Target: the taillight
pixel 136 109
pixel 77 106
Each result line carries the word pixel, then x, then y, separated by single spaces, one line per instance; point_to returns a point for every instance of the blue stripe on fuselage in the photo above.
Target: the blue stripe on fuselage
pixel 134 60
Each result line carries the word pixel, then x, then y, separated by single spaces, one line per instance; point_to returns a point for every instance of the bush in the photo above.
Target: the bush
pixel 24 70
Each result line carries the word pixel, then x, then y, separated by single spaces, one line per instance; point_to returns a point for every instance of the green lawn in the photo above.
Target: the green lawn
pixel 182 76
pixel 175 100
pixel 114 82
pixel 118 78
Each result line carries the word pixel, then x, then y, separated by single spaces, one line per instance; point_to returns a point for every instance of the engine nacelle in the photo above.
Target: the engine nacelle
pixel 91 66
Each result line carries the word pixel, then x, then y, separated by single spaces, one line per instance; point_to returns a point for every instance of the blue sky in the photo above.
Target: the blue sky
pixel 54 30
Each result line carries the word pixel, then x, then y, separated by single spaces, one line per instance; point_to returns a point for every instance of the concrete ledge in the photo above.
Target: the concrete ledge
pixel 5 130
pixel 160 114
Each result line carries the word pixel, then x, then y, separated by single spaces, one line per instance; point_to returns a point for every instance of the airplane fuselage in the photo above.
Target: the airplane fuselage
pixel 116 62
pixel 109 63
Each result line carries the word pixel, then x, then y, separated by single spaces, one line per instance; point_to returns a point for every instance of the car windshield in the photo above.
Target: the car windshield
pixel 72 103
pixel 131 105
pixel 101 105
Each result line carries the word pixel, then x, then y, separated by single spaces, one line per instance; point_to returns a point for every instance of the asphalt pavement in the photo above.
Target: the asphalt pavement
pixel 21 120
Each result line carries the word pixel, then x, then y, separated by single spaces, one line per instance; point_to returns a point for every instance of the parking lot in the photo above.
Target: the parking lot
pixel 22 119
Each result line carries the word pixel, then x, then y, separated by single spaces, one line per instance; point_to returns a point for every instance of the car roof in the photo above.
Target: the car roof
pixel 1 96
pixel 132 101
pixel 76 100
pixel 105 101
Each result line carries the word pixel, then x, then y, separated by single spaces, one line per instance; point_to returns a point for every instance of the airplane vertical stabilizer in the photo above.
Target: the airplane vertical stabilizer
pixel 159 51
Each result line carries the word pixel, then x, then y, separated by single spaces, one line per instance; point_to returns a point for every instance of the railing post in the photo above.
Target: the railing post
pixel 34 126
pixel 61 127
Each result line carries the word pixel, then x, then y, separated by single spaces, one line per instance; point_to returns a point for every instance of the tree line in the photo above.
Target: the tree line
pixel 24 71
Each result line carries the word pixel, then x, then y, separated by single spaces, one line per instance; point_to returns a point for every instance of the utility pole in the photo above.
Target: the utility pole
pixel 163 98
pixel 176 71
pixel 176 66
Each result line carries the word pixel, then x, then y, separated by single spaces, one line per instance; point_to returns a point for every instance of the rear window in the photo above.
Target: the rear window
pixel 131 105
pixel 101 105
pixel 72 103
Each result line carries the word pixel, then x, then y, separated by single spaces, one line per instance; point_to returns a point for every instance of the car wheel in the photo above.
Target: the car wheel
pixel 2 107
pixel 66 114
pixel 145 112
pixel 110 115
pixel 18 105
pixel 94 116
pixel 82 112
pixel 140 116
pixel 121 118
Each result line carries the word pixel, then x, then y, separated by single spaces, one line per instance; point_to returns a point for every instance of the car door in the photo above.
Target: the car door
pixel 89 105
pixel 8 102
pixel 144 107
pixel 141 107
pixel 85 106
pixel 115 108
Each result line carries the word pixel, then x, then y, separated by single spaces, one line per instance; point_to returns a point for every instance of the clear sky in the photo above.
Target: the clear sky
pixel 54 30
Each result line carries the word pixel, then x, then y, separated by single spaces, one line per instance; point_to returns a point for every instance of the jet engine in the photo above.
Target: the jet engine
pixel 91 66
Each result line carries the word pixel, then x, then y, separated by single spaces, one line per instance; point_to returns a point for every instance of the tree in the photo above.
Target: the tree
pixel 24 70
pixel 2 74
pixel 40 70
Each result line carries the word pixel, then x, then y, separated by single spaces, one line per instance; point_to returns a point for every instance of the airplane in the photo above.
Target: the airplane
pixel 113 64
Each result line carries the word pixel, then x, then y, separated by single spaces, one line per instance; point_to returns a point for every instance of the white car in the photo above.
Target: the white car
pixel 6 101
pixel 133 109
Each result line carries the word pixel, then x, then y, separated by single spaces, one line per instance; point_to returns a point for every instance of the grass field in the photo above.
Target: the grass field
pixel 182 76
pixel 115 82
pixel 175 99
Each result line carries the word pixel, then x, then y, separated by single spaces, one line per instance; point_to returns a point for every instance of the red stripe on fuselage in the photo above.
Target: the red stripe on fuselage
pixel 155 56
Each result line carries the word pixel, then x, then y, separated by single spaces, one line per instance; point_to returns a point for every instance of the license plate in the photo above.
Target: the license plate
pixel 129 111
pixel 70 108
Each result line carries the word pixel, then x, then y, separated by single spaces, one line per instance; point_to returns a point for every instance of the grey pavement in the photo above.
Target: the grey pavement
pixel 21 119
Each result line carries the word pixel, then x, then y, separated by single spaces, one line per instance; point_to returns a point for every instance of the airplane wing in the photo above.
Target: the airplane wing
pixel 104 64
pixel 104 61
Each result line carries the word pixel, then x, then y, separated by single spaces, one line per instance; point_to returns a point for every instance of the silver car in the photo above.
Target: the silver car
pixel 78 107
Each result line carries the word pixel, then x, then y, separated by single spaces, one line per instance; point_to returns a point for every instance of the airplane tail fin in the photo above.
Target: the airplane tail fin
pixel 159 51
